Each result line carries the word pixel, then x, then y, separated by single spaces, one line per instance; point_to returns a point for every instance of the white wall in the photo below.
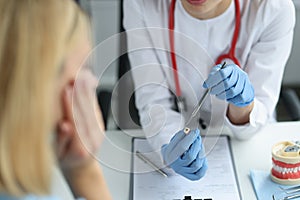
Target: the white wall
pixel 292 71
pixel 105 20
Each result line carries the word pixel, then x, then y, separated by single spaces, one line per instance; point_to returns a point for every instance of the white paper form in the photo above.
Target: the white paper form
pixel 219 182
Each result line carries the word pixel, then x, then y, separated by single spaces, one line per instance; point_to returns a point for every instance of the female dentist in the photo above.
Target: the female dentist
pixel 176 48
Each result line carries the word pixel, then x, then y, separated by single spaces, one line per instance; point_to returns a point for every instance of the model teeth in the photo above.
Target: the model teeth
pixel 285 170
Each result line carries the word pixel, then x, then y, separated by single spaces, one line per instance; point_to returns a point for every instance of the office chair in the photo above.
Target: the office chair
pixel 288 107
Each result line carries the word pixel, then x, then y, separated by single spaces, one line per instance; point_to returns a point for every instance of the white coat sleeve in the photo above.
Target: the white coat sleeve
pixel 265 66
pixel 153 98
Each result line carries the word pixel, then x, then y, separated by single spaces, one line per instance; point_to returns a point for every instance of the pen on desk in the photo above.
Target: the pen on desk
pixel 146 160
pixel 197 108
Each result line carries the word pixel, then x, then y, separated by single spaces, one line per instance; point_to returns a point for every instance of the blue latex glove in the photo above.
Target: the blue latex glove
pixel 230 83
pixel 185 155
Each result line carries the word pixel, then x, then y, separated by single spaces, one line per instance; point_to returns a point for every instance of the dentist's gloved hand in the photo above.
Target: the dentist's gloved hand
pixel 230 83
pixel 185 155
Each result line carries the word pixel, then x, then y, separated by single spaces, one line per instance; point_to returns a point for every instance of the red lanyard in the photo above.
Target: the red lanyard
pixel 230 55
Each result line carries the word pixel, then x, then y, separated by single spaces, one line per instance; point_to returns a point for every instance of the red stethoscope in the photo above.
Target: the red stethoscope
pixel 230 55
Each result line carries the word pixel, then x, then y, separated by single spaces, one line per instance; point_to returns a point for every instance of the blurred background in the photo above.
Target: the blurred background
pixel 106 18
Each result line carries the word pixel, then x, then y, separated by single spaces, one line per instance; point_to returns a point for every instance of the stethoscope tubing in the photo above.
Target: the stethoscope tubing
pixel 230 55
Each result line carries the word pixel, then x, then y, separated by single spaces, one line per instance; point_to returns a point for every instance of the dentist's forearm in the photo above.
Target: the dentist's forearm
pixel 239 115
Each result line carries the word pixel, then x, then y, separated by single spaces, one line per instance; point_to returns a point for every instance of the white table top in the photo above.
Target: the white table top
pixel 255 153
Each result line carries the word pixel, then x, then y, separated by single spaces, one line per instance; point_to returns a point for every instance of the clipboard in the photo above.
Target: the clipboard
pixel 219 183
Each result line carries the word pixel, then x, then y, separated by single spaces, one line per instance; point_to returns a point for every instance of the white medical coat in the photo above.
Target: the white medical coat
pixel 263 47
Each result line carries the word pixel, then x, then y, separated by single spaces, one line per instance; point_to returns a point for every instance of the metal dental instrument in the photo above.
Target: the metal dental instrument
pixel 287 197
pixel 291 189
pixel 200 103
pixel 150 163
pixel 290 193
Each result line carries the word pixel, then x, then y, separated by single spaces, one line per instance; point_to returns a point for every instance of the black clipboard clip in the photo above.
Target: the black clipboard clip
pixel 190 198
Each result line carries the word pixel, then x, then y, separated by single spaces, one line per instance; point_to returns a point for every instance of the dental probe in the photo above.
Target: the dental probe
pixel 197 108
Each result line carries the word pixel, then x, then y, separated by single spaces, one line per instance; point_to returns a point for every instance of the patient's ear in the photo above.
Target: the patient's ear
pixel 64 126
pixel 66 101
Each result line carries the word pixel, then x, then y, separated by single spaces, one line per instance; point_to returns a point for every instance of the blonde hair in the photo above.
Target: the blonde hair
pixel 35 36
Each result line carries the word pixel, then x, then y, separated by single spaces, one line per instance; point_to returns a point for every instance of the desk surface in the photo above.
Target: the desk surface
pixel 251 154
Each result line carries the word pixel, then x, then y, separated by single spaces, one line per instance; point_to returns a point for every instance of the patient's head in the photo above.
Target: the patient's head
pixel 42 45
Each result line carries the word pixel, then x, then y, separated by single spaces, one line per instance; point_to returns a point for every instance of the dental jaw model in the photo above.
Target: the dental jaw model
pixel 286 163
